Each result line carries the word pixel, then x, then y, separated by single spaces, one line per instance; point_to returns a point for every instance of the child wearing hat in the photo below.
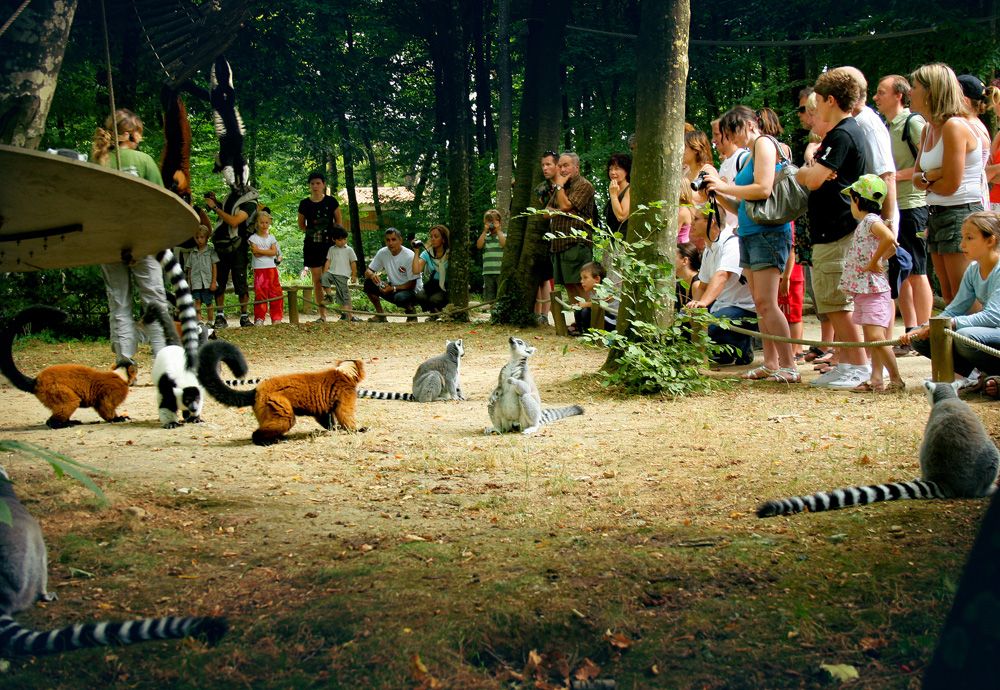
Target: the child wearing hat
pixel 866 280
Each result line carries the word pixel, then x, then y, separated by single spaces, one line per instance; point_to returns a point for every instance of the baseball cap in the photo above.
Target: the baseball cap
pixel 973 87
pixel 871 187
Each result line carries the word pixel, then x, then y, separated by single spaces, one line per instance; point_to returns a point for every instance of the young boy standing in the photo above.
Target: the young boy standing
pixel 202 272
pixel 341 267
pixel 266 285
pixel 491 242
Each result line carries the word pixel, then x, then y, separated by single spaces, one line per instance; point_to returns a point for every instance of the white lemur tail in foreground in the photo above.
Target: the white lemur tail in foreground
pixel 24 580
pixel 958 459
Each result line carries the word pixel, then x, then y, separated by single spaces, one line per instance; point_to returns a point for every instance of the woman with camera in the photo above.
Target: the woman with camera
pixel 764 249
pixel 432 262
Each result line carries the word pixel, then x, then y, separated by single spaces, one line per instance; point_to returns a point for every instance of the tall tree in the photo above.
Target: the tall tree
pixel 538 129
pixel 662 56
pixel 32 50
pixel 453 55
pixel 505 162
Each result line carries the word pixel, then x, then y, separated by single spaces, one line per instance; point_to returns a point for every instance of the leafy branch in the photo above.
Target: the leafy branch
pixel 61 464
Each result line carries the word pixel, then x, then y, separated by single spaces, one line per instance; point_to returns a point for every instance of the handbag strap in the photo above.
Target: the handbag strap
pixel 782 158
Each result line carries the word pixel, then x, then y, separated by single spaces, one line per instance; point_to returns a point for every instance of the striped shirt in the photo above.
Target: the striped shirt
pixel 492 256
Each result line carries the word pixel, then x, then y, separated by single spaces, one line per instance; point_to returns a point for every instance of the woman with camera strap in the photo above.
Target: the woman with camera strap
pixel 764 249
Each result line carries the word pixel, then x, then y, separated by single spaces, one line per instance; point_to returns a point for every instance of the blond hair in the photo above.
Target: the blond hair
pixel 491 214
pixel 944 94
pixel 116 130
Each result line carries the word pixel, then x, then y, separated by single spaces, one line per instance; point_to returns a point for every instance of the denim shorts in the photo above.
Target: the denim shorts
pixel 204 296
pixel 768 249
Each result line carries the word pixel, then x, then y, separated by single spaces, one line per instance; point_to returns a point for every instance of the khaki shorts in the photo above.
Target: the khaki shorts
pixel 566 264
pixel 828 266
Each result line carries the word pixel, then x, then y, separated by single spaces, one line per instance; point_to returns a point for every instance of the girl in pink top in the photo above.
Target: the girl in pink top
pixel 864 278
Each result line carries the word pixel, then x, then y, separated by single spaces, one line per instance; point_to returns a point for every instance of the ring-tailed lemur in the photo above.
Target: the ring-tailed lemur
pixel 24 580
pixel 958 459
pixel 175 368
pixel 435 379
pixel 515 404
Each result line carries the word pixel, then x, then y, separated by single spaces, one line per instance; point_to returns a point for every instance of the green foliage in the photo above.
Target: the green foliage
pixel 79 292
pixel 649 357
pixel 61 465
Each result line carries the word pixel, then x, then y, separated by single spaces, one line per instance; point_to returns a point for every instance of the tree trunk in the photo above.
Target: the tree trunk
pixel 482 77
pixel 505 162
pixel 538 130
pixel 454 58
pixel 366 140
pixel 662 56
pixel 32 53
pixel 352 196
pixel 333 174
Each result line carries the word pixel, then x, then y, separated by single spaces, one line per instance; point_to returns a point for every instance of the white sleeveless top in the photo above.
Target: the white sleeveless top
pixel 970 189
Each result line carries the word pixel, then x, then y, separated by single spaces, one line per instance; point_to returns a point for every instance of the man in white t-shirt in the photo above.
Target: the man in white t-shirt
pixel 722 289
pixel 400 286
pixel 879 146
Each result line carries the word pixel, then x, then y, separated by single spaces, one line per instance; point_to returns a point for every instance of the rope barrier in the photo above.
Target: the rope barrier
pixel 815 343
pixel 13 17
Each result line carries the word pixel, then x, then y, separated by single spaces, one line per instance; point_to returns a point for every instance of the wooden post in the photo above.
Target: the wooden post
pixel 557 312
pixel 293 303
pixel 596 316
pixel 307 295
pixel 942 363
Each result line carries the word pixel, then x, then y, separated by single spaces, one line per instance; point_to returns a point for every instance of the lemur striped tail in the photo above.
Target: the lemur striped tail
pixel 242 382
pixel 854 496
pixel 553 414
pixel 17 640
pixel 383 395
pixel 190 335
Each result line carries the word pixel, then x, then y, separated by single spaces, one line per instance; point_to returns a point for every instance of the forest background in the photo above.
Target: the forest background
pixel 370 92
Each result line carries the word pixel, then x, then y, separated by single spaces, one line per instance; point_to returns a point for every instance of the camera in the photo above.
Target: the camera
pixel 699 182
pixel 416 244
pixel 492 226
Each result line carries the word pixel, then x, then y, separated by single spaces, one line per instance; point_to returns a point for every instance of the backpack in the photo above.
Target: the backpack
pixel 907 139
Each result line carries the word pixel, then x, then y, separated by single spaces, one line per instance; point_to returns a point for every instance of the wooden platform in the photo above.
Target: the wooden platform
pixel 58 213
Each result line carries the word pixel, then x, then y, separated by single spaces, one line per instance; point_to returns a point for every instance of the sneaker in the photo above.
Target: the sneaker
pixel 258 322
pixel 855 377
pixel 319 319
pixel 379 318
pixel 220 322
pixel 542 319
pixel 245 320
pixel 824 380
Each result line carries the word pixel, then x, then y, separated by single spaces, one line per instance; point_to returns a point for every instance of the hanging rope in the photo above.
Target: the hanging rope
pixel 111 85
pixel 17 12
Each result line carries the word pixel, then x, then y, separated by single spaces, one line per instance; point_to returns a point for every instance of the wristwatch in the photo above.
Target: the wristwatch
pixel 557 187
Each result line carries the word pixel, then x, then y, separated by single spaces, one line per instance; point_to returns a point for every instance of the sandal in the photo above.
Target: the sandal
pixel 823 368
pixel 813 353
pixel 758 373
pixel 894 387
pixel 869 387
pixel 991 387
pixel 784 376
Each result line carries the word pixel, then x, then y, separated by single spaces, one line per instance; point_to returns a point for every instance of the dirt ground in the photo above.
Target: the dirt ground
pixel 423 552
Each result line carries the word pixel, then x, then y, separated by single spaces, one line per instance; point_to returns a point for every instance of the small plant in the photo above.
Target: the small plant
pixel 648 358
pixel 61 465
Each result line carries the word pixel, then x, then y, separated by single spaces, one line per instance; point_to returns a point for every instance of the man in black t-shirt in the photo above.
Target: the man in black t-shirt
pixel 841 159
pixel 318 213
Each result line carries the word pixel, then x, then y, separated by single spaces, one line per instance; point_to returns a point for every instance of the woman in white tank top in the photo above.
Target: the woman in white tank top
pixel 949 168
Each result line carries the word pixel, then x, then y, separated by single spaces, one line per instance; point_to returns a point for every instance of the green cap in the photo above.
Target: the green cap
pixel 871 187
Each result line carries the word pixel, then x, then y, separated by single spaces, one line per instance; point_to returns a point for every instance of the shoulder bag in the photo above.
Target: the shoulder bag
pixel 788 199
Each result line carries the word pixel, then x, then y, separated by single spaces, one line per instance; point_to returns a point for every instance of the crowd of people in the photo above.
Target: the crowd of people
pixel 884 195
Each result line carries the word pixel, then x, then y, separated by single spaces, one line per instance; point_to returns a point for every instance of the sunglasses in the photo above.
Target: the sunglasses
pixel 546 154
pixel 802 109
